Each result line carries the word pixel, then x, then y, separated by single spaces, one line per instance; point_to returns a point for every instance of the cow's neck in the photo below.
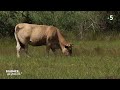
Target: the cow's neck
pixel 62 41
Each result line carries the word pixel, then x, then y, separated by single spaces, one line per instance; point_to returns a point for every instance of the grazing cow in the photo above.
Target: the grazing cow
pixel 38 35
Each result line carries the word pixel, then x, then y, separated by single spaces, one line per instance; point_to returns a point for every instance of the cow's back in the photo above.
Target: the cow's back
pixel 44 33
pixel 37 33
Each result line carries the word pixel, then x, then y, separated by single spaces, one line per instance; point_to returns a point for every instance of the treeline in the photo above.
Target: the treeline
pixel 81 23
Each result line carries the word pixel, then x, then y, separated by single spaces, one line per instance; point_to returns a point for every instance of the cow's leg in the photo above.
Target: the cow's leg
pixel 18 48
pixel 47 49
pixel 53 50
pixel 48 44
pixel 26 51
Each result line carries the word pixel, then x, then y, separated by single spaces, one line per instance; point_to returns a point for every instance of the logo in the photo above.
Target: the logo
pixel 110 17
pixel 13 72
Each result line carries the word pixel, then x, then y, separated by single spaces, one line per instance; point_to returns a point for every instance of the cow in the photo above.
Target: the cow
pixel 39 35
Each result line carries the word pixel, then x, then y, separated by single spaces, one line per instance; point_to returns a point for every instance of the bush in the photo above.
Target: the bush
pixel 83 24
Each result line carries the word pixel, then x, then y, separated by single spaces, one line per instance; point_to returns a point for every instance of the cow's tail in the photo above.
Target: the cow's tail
pixel 17 28
pixel 19 44
pixel 15 33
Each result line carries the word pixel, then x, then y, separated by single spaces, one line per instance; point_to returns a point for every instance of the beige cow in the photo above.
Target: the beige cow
pixel 38 35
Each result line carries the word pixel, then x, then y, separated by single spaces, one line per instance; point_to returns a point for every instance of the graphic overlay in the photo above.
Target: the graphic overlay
pixel 110 17
pixel 13 72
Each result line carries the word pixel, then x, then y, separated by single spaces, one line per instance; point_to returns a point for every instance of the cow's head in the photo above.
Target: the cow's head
pixel 67 49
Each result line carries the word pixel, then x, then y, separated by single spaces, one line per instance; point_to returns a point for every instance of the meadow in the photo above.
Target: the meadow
pixel 90 60
pixel 96 50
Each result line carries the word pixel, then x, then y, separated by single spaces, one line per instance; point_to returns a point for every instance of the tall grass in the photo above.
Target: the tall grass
pixel 90 60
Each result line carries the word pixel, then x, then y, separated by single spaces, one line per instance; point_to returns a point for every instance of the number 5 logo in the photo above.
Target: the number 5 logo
pixel 111 17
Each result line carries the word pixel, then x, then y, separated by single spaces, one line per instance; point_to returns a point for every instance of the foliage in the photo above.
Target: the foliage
pixel 83 24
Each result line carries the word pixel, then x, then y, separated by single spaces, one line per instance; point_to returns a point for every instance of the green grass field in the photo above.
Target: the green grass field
pixel 90 60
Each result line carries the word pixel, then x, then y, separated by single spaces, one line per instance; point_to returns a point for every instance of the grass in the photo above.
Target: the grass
pixel 90 60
